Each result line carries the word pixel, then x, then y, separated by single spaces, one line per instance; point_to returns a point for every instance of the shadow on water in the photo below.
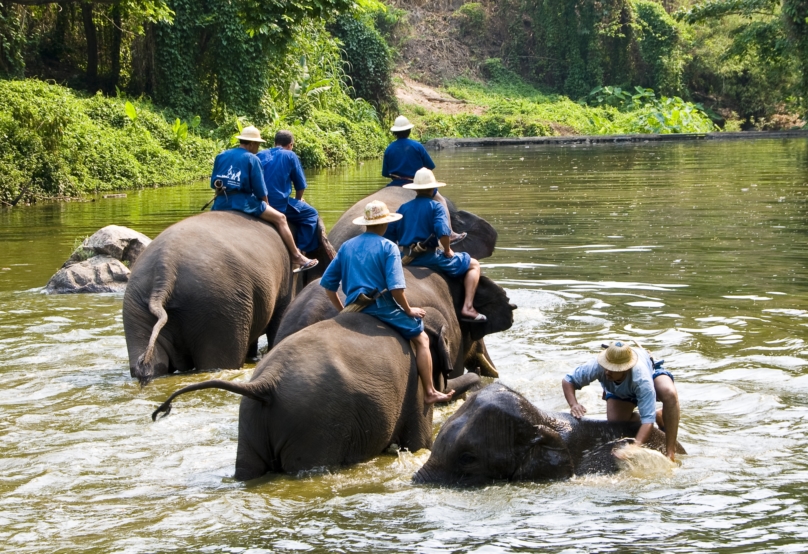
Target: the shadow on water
pixel 696 250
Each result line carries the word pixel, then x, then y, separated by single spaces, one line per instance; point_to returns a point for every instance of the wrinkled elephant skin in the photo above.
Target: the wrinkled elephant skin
pixel 337 393
pixel 498 435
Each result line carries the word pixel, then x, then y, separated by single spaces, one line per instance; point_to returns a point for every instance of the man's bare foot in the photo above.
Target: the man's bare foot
pixel 436 396
pixel 469 312
pixel 304 264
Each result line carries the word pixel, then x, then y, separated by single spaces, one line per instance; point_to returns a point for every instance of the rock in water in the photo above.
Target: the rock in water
pixel 101 263
pixel 98 274
pixel 121 243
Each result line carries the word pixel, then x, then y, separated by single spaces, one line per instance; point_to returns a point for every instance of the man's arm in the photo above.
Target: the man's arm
pixel 643 433
pixel 576 409
pixel 446 243
pixel 334 298
pixel 298 178
pixel 401 298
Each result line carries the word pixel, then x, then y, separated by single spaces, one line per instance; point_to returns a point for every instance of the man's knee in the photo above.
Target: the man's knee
pixel 422 340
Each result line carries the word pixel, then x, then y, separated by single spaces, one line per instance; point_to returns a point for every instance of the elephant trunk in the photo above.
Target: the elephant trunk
pixel 244 389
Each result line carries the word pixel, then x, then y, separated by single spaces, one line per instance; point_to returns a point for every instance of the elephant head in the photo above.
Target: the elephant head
pixel 497 435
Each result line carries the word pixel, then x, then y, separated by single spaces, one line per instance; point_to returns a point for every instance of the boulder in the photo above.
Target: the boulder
pixel 98 274
pixel 121 243
pixel 101 263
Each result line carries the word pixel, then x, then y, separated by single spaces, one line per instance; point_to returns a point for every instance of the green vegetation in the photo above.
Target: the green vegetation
pixel 56 142
pixel 513 108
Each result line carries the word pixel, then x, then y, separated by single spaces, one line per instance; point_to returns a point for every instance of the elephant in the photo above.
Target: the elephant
pixel 425 288
pixel 205 290
pixel 497 435
pixel 480 242
pixel 336 393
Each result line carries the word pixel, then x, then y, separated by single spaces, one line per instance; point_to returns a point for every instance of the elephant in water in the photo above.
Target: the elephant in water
pixel 205 290
pixel 425 289
pixel 338 392
pixel 480 242
pixel 498 435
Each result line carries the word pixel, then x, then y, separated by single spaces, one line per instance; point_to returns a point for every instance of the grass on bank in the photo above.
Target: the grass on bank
pixel 513 108
pixel 57 142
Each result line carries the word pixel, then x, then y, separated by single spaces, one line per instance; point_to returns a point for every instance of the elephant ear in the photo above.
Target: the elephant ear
pixel 435 326
pixel 481 239
pixel 545 457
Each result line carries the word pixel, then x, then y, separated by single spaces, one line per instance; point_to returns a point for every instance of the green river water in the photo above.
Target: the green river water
pixel 699 251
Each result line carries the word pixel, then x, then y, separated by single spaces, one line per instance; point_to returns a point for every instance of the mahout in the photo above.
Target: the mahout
pixel 498 435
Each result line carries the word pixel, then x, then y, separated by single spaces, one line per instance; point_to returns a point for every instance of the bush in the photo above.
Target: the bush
pixel 659 41
pixel 471 18
pixel 57 142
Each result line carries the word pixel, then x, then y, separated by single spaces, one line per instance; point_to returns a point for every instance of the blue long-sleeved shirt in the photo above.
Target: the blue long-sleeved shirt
pixel 423 219
pixel 638 385
pixel 282 169
pixel 239 171
pixel 403 157
pixel 365 264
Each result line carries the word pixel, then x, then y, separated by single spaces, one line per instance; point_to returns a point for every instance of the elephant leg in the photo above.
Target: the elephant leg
pixel 252 350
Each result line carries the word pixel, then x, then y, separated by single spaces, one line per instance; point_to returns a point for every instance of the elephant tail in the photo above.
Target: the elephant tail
pixel 144 368
pixel 244 389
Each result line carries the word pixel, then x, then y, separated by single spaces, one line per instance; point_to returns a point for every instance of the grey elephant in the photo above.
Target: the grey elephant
pixel 426 289
pixel 205 290
pixel 498 435
pixel 337 393
pixel 480 242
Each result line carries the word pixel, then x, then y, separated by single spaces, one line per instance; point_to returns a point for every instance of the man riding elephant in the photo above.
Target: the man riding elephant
pixel 369 267
pixel 404 157
pixel 282 170
pixel 239 183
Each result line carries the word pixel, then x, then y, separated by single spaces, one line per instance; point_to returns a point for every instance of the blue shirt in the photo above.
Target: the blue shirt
pixel 423 219
pixel 239 171
pixel 403 158
pixel 365 264
pixel 638 385
pixel 282 169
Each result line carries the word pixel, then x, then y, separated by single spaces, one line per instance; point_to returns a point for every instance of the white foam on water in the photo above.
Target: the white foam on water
pixel 643 462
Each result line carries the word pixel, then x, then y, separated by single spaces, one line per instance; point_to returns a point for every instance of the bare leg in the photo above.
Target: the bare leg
pixel 279 221
pixel 666 392
pixel 620 410
pixel 470 281
pixel 442 200
pixel 423 361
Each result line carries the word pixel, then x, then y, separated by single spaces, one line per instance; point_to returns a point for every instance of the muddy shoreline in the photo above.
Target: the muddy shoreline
pixel 444 143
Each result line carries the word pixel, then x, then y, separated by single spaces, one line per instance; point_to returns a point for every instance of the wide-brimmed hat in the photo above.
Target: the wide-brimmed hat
pixel 618 357
pixel 376 213
pixel 424 179
pixel 401 124
pixel 250 134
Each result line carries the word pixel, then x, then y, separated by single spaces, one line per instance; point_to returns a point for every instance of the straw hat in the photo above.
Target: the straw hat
pixel 376 213
pixel 401 124
pixel 250 134
pixel 617 357
pixel 424 179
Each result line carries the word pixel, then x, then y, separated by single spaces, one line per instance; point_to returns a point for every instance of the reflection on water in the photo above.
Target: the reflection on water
pixel 697 251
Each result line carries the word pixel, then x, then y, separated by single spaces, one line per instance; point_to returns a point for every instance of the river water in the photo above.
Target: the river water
pixel 698 251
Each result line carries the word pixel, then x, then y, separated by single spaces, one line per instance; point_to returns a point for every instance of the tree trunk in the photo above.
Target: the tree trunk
pixel 92 46
pixel 117 36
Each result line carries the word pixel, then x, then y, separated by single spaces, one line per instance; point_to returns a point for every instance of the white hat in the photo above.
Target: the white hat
pixel 401 124
pixel 376 213
pixel 250 134
pixel 618 357
pixel 424 179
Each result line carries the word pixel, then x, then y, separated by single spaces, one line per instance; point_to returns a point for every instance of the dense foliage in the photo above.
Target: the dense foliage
pixel 57 142
pixel 513 108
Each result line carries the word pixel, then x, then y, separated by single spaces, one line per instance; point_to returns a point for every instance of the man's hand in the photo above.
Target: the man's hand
pixel 578 411
pixel 416 312
pixel 448 252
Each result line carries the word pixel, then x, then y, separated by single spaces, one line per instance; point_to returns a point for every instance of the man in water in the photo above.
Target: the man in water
pixel 425 224
pixel 369 268
pixel 239 184
pixel 629 379
pixel 403 157
pixel 282 169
